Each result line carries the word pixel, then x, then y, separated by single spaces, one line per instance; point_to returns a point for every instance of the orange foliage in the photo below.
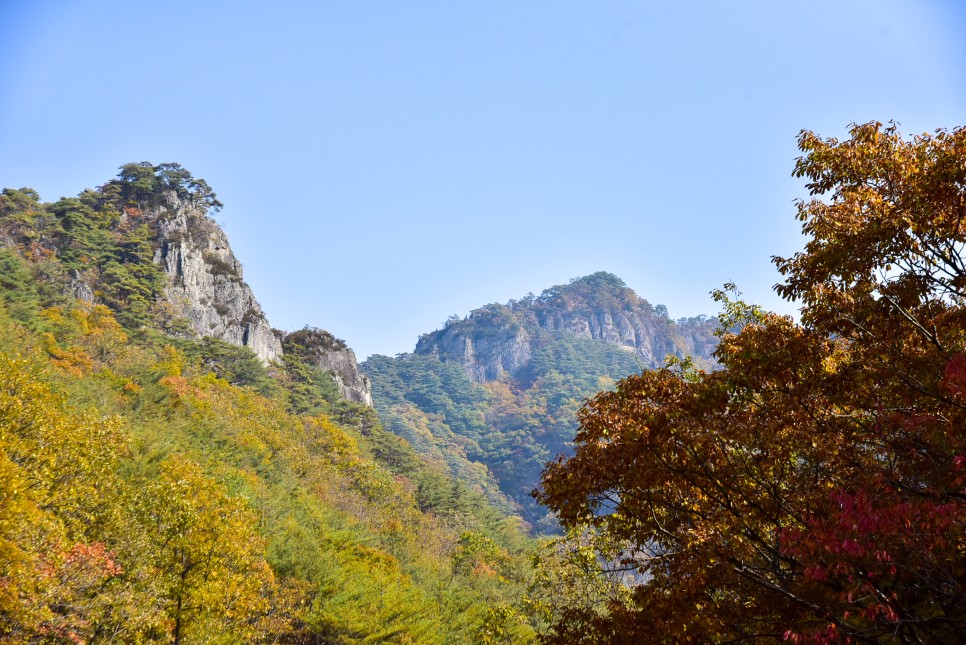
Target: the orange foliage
pixel 812 489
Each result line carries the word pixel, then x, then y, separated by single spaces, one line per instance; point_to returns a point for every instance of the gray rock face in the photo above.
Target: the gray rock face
pixel 640 331
pixel 205 283
pixel 205 286
pixel 352 383
pixel 324 350
pixel 497 340
pixel 485 357
pixel 79 289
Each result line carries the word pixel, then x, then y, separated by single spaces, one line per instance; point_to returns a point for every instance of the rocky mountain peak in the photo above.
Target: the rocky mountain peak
pixel 144 245
pixel 497 341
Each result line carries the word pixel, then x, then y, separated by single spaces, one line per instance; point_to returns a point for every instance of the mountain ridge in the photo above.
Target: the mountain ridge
pixel 496 341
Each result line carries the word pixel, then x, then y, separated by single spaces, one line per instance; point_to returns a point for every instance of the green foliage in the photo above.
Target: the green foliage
pixel 437 409
pixel 102 238
pixel 17 287
pixel 144 185
pixel 309 340
pixel 84 238
pixel 233 363
pixel 596 291
pixel 580 578
pixel 584 360
pixel 311 390
pixel 514 423
pixel 512 428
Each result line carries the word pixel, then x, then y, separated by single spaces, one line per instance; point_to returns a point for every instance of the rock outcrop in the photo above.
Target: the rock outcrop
pixel 496 341
pixel 322 349
pixel 205 284
pixel 113 240
pixel 491 344
pixel 352 383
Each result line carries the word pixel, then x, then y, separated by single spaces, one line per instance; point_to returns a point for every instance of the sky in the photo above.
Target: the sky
pixel 385 165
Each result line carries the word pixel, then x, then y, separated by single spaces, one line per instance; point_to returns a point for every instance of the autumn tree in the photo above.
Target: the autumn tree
pixel 207 555
pixel 813 488
pixel 62 579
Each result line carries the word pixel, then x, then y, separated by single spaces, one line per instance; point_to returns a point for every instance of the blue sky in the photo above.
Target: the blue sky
pixel 385 164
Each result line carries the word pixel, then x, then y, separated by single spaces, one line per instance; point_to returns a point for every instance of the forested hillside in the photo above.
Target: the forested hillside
pixel 160 485
pixel 495 395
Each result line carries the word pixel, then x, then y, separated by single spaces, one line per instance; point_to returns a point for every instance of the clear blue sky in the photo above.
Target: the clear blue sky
pixel 387 164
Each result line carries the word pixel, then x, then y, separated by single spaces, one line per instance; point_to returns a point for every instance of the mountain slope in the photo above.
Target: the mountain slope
pixel 166 487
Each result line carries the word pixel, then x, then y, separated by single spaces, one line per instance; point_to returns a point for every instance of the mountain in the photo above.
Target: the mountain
pixel 144 245
pixel 497 342
pixel 174 470
pixel 495 395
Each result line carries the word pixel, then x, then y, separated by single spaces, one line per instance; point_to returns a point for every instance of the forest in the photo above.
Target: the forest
pixel 806 485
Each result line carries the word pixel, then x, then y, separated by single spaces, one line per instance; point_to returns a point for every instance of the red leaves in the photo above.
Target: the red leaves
pixel 954 377
pixel 92 563
pixel 865 536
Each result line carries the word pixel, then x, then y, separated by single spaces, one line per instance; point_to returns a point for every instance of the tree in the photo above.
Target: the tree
pixel 813 488
pixel 207 556
pixel 61 503
pixel 143 183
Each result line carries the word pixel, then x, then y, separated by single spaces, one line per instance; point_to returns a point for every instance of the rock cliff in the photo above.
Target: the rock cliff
pixel 205 283
pixel 205 286
pixel 496 341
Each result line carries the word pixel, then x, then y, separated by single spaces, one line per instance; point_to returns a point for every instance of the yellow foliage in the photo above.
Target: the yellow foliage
pixel 207 555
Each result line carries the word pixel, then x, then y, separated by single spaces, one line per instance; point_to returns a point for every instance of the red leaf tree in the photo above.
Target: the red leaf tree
pixel 812 489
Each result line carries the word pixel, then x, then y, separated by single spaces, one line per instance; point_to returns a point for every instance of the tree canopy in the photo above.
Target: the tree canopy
pixel 142 181
pixel 813 488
